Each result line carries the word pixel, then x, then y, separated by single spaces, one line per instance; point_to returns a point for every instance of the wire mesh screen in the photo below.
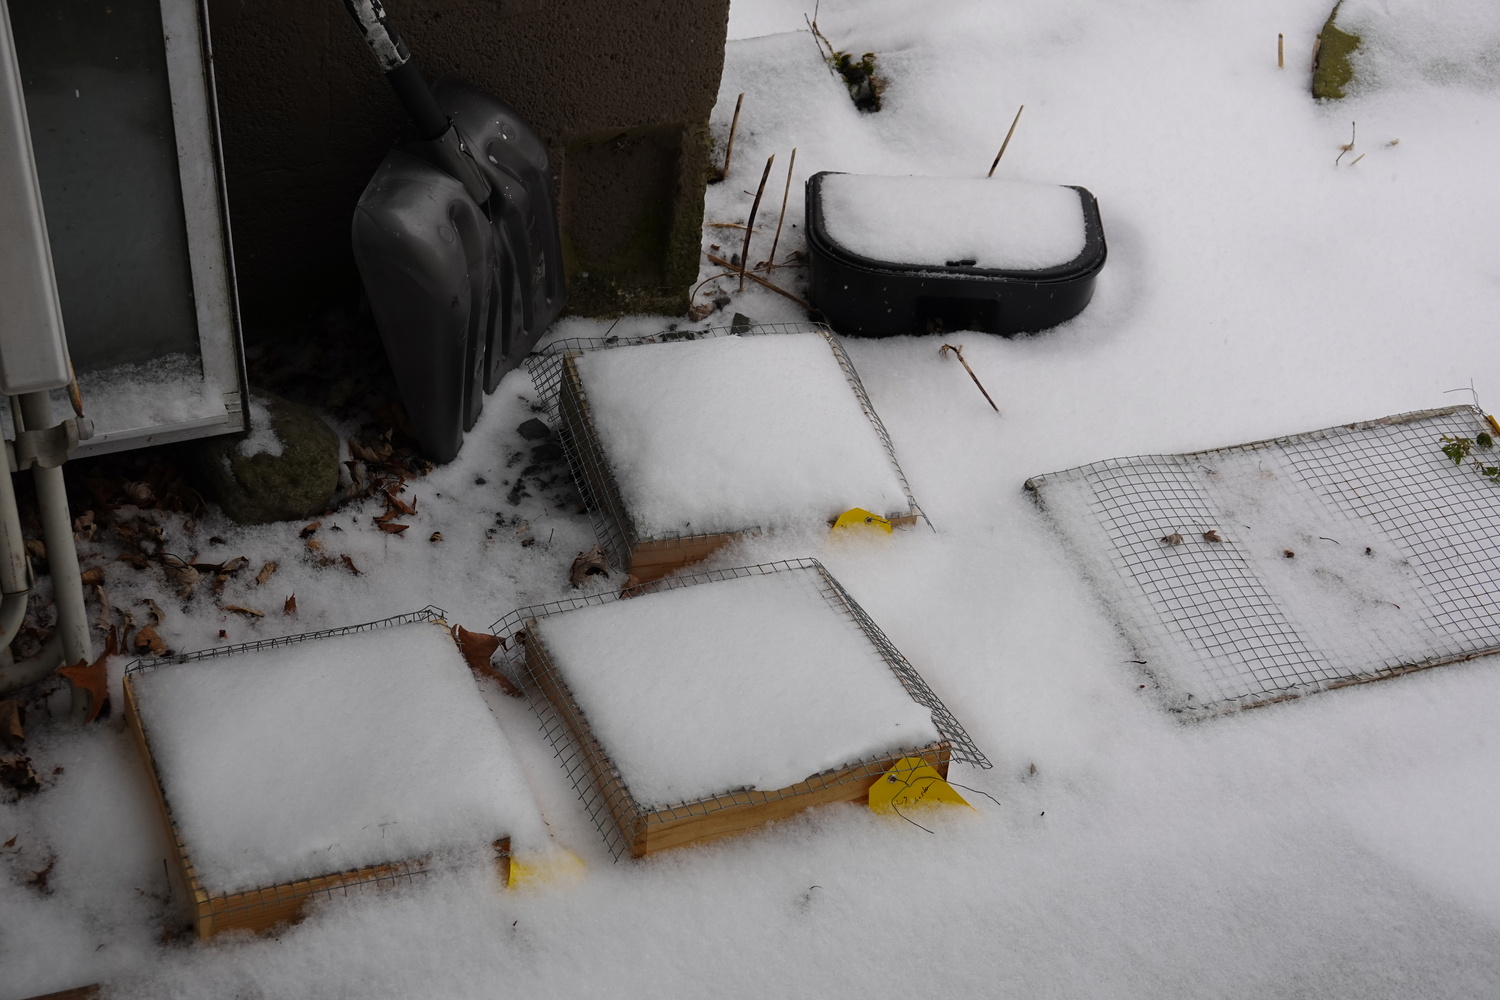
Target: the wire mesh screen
pixel 1260 572
pixel 554 372
pixel 263 906
pixel 635 827
pixel 431 613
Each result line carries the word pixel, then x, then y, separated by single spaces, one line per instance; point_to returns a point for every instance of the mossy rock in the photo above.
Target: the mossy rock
pixel 264 487
pixel 1333 71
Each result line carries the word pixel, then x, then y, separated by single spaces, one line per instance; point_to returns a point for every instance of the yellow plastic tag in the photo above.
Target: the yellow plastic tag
pixel 552 867
pixel 912 783
pixel 859 519
pixel 1494 424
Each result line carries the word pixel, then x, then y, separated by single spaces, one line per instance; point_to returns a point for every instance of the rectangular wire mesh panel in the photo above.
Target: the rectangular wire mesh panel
pixel 555 375
pixel 632 827
pixel 1264 571
pixel 264 906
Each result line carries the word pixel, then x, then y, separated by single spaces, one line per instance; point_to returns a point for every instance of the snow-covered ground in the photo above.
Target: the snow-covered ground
pixel 1342 845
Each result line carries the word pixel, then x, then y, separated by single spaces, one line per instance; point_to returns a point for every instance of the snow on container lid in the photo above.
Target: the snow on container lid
pixel 344 751
pixel 947 221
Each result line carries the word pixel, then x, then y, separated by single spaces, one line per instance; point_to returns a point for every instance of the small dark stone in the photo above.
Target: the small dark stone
pixel 547 452
pixel 257 489
pixel 534 430
pixel 722 300
pixel 479 480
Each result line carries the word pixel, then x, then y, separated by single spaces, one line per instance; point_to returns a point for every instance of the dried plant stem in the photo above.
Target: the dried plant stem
pixel 716 259
pixel 943 351
pixel 1347 147
pixel 1014 121
pixel 734 124
pixel 1317 47
pixel 750 222
pixel 1280 51
pixel 785 193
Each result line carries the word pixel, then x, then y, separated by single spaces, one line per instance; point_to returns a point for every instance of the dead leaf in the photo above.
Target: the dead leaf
pixel 700 311
pixel 147 641
pixel 92 678
pixel 1173 539
pixel 184 577
pixel 36 548
pixel 349 564
pixel 84 526
pixel 266 572
pixel 105 611
pixel 139 492
pixel 247 612
pixel 234 565
pixel 309 529
pixel 133 558
pixel 11 729
pixel 17 774
pixel 399 505
pixel 1212 536
pixel 392 529
pixel 477 648
pixel 93 576
pixel 38 880
pixel 11 842
pixel 436 536
pixel 313 545
pixel 587 564
pixel 289 608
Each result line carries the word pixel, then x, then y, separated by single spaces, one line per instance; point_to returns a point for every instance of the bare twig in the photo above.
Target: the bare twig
pixel 1348 145
pixel 1280 51
pixel 734 124
pixel 821 39
pixel 785 193
pixel 715 259
pixel 750 222
pixel 1014 121
pixel 943 352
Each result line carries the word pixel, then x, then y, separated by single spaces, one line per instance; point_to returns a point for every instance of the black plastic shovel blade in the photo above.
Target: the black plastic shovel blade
pixel 513 159
pixel 431 265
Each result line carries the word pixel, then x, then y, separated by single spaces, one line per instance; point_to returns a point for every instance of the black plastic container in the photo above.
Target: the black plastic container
pixel 860 296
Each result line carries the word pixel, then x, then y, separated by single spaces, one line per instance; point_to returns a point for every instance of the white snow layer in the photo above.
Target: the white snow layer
pixel 935 221
pixel 734 432
pixel 1444 42
pixel 756 682
pixel 167 390
pixel 1339 846
pixel 331 754
pixel 262 439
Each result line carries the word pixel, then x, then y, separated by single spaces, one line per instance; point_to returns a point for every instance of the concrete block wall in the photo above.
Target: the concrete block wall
pixel 621 91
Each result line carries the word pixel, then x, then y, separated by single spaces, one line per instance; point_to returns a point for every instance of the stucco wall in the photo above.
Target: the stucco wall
pixel 620 89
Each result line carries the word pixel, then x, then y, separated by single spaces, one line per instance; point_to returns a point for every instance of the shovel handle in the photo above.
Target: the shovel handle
pixel 398 66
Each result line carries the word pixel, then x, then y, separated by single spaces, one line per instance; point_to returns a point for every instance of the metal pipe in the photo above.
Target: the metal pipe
pixel 23 673
pixel 62 554
pixel 15 581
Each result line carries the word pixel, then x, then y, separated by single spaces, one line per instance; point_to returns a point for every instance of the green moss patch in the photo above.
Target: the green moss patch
pixel 1333 71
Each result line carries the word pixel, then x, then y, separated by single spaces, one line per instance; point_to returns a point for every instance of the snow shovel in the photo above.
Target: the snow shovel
pixel 456 241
